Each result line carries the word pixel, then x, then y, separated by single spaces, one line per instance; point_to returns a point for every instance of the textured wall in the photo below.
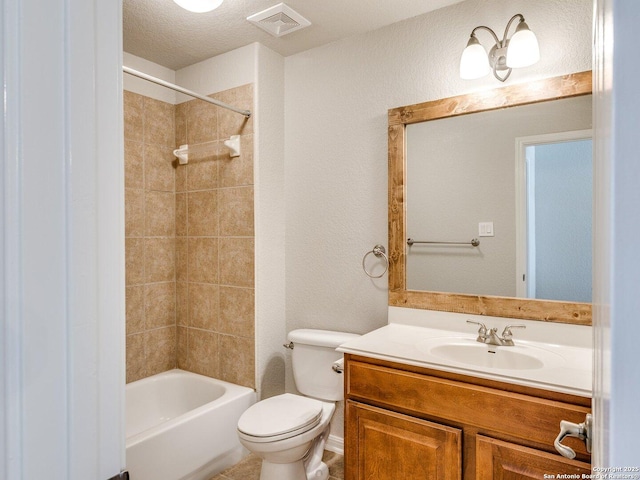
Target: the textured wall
pixel 270 223
pixel 336 101
pixel 143 87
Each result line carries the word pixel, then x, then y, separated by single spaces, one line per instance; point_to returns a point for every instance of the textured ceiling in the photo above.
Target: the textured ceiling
pixel 164 33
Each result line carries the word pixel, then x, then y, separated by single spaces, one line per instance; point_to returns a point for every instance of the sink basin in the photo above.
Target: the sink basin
pixel 487 356
pixel 480 355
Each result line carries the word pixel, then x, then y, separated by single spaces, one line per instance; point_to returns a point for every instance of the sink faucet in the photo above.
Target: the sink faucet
pixel 490 337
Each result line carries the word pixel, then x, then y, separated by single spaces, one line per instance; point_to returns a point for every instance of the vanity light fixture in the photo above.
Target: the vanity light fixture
pixel 521 50
pixel 199 6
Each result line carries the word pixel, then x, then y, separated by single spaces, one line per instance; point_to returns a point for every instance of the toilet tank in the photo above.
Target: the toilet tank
pixel 314 352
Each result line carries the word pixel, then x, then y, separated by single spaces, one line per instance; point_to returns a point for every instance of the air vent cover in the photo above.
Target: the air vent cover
pixel 279 20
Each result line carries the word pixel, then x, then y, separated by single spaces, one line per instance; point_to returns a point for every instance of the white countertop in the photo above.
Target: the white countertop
pixel 408 337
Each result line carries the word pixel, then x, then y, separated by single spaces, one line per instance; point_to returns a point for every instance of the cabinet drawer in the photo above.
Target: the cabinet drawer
pixel 496 460
pixel 507 415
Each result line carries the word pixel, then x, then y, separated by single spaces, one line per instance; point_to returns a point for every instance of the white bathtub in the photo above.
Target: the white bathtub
pixel 182 426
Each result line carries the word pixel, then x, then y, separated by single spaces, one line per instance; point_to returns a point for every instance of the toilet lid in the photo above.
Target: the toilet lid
pixel 280 415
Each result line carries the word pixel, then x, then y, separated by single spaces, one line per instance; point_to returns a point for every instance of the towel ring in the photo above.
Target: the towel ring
pixel 378 251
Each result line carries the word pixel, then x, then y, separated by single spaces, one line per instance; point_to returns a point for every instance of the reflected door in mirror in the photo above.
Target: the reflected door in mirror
pixel 554 237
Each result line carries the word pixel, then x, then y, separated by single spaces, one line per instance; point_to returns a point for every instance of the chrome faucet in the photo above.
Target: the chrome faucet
pixel 490 337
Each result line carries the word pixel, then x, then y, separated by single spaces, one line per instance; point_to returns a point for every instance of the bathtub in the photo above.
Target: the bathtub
pixel 182 426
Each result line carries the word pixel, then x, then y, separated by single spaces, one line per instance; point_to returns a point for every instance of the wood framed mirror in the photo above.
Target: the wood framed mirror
pixel 536 92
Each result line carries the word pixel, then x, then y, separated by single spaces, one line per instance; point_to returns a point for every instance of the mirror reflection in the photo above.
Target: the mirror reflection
pixel 517 179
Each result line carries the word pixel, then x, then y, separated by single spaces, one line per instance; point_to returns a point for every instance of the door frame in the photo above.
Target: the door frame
pixel 62 257
pixel 616 385
pixel 522 213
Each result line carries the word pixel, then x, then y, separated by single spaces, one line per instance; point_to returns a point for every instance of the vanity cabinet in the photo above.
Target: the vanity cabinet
pixel 395 446
pixel 406 422
pixel 497 460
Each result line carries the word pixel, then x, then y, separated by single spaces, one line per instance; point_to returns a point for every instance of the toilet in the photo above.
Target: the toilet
pixel 289 431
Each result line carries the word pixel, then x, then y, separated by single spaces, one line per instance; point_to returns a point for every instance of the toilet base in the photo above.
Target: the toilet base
pixel 320 473
pixel 283 471
pixel 292 471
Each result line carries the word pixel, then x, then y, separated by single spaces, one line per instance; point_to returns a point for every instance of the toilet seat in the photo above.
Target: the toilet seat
pixel 279 417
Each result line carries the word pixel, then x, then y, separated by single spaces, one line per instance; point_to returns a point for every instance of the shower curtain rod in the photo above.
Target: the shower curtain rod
pixel 149 78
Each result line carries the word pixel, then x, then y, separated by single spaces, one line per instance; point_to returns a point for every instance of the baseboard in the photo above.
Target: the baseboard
pixel 335 444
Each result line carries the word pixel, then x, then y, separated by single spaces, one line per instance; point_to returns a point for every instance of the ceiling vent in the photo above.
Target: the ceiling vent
pixel 279 20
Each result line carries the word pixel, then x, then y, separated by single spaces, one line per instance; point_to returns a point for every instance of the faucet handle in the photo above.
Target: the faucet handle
pixel 507 334
pixel 482 331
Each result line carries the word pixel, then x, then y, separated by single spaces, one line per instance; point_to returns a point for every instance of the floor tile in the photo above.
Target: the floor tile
pixel 249 468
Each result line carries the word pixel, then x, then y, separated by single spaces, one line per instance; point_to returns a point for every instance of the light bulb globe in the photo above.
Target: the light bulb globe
pixel 523 48
pixel 199 6
pixel 474 62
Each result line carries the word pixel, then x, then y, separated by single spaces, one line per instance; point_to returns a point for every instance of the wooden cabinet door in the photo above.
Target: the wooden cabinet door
pixel 497 460
pixel 383 445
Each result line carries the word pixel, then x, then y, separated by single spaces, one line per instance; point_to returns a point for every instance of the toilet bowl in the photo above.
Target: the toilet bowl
pixel 288 432
pixel 287 452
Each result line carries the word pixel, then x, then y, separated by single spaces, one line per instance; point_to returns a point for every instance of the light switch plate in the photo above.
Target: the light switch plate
pixel 485 229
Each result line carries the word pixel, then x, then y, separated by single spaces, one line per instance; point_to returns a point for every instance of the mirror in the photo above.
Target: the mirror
pixel 482 279
pixel 461 176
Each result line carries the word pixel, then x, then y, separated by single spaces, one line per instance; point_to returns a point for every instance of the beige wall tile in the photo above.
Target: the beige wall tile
pixel 133 164
pixel 133 212
pixel 202 172
pixel 159 260
pixel 159 122
pixel 160 348
pixel 203 352
pixel 203 260
pixel 181 214
pixel 237 360
pixel 236 211
pixel 159 168
pixel 136 362
pixel 182 111
pixel 181 177
pixel 203 213
pixel 135 309
pixel 231 123
pixel 237 311
pixel 175 270
pixel 182 348
pixel 134 261
pixel 133 116
pixel 202 122
pixel 182 259
pixel 203 306
pixel 160 304
pixel 237 262
pixel 160 219
pixel 182 303
pixel 238 171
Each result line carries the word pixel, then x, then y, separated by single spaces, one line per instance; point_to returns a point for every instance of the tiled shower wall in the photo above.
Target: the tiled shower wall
pixel 215 241
pixel 212 242
pixel 149 236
